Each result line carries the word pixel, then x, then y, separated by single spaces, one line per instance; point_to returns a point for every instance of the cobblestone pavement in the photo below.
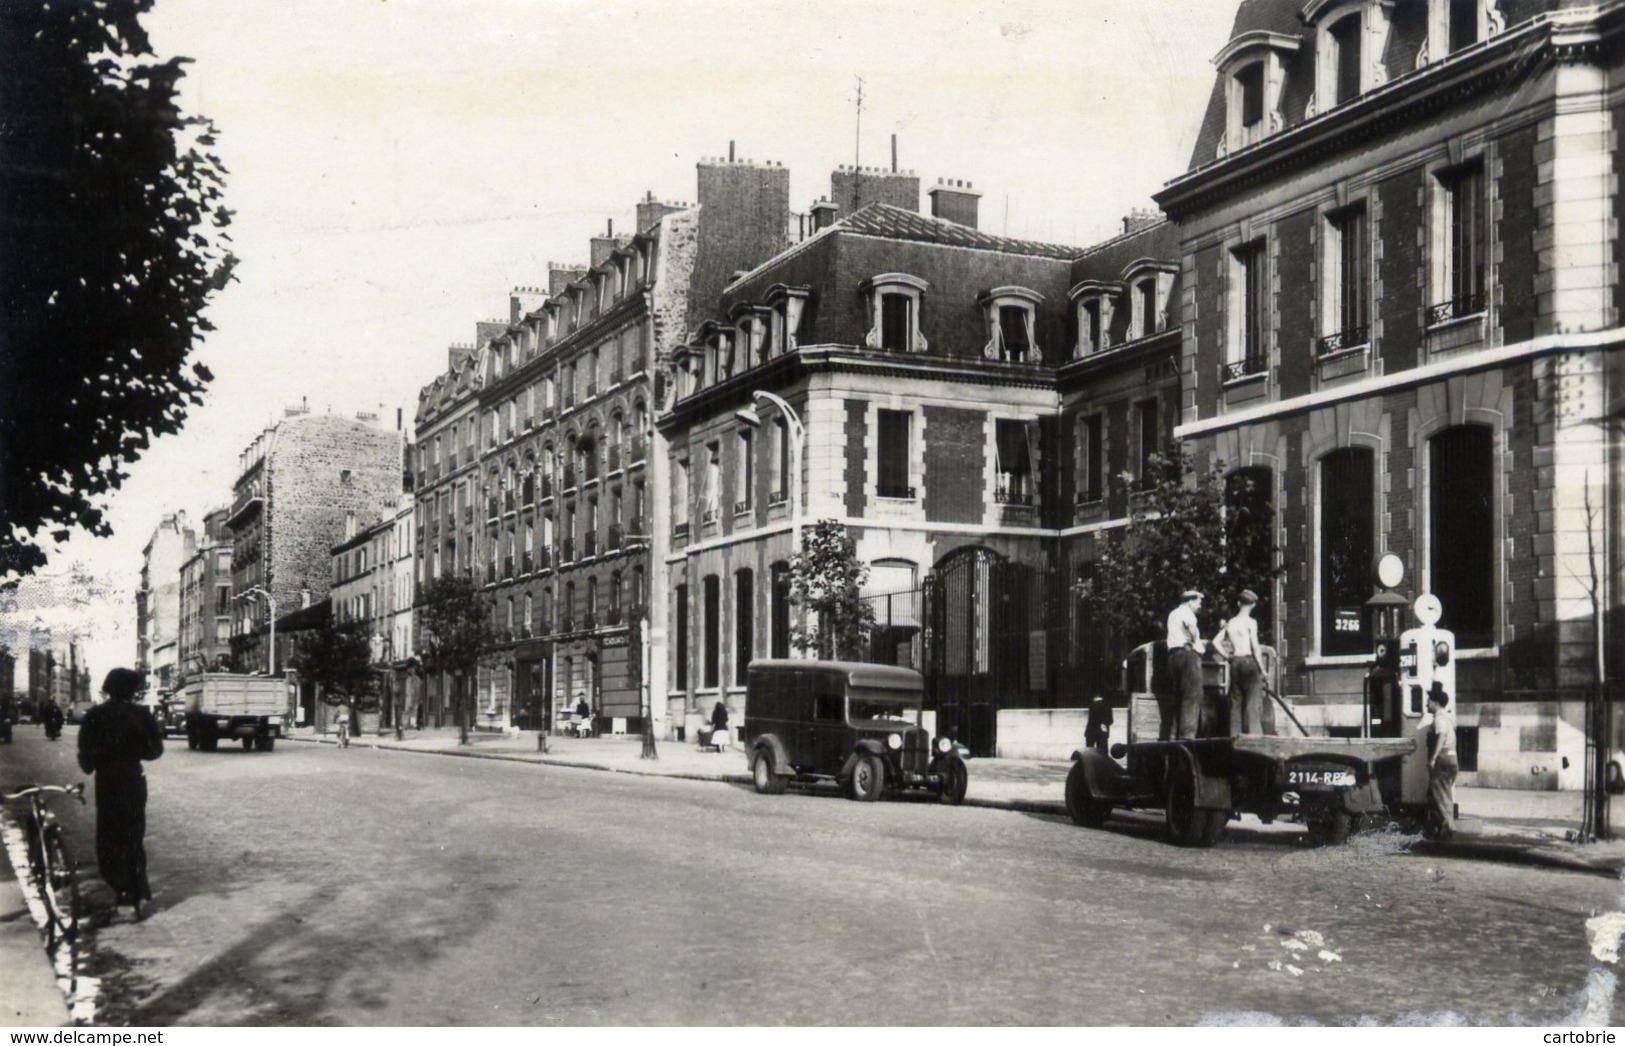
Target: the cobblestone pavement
pixel 314 885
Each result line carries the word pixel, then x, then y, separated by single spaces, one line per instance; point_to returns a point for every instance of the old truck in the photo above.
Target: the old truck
pixel 1329 783
pixel 250 709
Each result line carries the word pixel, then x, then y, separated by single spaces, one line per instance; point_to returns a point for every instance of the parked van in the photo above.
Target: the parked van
pixel 857 724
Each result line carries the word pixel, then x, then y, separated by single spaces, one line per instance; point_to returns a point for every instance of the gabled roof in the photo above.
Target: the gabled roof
pixel 896 223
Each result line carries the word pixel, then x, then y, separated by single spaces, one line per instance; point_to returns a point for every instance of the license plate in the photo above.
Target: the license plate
pixel 1322 778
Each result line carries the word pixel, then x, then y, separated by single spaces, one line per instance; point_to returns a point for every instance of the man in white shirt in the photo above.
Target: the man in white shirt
pixel 1442 765
pixel 1185 647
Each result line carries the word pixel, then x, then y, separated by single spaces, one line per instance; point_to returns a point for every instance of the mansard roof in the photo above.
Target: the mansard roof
pixel 897 223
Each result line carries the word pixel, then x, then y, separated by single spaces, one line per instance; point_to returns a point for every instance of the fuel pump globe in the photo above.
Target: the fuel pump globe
pixel 1428 609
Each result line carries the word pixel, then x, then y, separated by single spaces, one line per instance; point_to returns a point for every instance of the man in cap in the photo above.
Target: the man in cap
pixel 1185 647
pixel 1238 641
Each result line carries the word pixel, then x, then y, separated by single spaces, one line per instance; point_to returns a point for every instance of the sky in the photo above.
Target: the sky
pixel 397 166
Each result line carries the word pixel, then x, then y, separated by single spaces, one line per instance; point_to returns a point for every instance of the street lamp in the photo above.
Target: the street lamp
pixel 270 605
pixel 798 438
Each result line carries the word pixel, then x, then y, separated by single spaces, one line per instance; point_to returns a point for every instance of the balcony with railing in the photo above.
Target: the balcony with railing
pixel 777 498
pixel 567 550
pixel 1458 308
pixel 549 415
pixel 1013 496
pixel 637 531
pixel 613 542
pixel 614 459
pixel 592 389
pixel 710 516
pixel 617 376
pixel 544 558
pixel 612 616
pixel 679 531
pixel 1343 341
pixel 589 466
pixel 1246 367
pixel 741 506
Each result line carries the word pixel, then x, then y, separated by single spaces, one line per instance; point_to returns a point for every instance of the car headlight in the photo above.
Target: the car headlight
pixel 894 741
pixel 944 745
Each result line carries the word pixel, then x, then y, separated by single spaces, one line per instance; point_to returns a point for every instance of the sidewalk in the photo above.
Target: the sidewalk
pixel 1496 824
pixel 32 997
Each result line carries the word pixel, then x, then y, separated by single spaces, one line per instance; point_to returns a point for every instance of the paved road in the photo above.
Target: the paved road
pixel 318 886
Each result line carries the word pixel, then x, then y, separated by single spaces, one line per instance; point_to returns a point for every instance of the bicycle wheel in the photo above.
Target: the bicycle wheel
pixel 60 887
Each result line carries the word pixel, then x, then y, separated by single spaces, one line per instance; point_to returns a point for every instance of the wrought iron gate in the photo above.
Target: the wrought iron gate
pixel 975 643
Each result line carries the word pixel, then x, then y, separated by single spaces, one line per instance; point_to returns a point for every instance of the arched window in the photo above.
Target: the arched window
pixel 1461 531
pixel 1249 500
pixel 1347 544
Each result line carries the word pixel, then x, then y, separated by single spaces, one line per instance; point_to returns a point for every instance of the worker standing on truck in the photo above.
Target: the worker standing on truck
pixel 1185 649
pixel 1238 641
pixel 117 736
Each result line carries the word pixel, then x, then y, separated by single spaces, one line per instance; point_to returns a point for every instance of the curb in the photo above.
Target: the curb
pixel 1532 854
pixel 33 997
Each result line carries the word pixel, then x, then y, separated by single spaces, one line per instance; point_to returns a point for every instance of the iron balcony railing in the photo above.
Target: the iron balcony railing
pixel 710 515
pixel 1456 308
pixel 1349 338
pixel 1013 497
pixel 742 505
pixel 892 490
pixel 1244 367
pixel 589 544
pixel 777 498
pixel 679 531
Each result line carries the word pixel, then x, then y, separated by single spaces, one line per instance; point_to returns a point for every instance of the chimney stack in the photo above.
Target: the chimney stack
pixel 1138 219
pixel 955 201
pixel 825 213
pixel 560 277
pixel 651 210
pixel 854 188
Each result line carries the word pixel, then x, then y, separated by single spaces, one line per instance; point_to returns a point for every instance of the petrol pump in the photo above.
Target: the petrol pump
pixel 1406 666
pixel 1386 612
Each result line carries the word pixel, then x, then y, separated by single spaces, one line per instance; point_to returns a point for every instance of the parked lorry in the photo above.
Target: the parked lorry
pixel 1329 783
pixel 250 709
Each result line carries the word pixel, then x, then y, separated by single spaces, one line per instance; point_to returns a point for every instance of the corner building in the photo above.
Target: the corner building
pixel 1398 244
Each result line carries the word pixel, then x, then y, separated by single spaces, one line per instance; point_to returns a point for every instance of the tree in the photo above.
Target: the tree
pixel 338 655
pixel 454 633
pixel 1186 530
pixel 826 581
pixel 113 243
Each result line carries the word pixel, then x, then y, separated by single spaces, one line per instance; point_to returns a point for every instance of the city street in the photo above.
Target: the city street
pixel 314 885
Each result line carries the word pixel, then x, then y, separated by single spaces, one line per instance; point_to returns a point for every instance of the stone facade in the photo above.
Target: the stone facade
pixel 158 603
pixel 206 608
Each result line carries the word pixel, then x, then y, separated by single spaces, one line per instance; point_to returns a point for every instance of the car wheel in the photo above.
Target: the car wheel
pixel 248 744
pixel 191 740
pixel 955 780
pixel 761 772
pixel 1087 811
pixel 1330 826
pixel 1187 823
pixel 868 778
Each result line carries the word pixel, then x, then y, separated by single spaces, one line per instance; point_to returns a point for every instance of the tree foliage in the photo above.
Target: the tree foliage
pixel 826 581
pixel 454 633
pixel 338 655
pixel 113 243
pixel 1186 530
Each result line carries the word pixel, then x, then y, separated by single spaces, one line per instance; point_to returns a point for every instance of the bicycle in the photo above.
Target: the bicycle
pixel 49 863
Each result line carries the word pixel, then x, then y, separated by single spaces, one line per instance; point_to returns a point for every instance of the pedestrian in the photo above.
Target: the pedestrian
pixel 53 720
pixel 720 738
pixel 115 738
pixel 1442 765
pixel 1238 641
pixel 1185 649
pixel 1098 730
pixel 583 710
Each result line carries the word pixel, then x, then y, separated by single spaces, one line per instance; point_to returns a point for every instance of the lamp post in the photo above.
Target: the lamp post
pixel 270 606
pixel 797 432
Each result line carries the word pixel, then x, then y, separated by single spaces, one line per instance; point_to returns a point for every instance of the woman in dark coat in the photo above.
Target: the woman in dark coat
pixel 116 736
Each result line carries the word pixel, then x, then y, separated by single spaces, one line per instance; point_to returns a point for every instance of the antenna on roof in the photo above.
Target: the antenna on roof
pixel 857 153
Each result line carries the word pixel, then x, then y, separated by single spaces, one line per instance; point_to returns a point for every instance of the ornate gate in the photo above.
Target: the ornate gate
pixel 975 641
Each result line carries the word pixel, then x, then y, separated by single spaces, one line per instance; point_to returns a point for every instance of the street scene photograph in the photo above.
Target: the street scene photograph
pixel 533 514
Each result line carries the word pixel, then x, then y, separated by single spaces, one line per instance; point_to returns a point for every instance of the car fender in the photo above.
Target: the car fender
pixel 867 746
pixel 1105 777
pixel 775 747
pixel 1212 791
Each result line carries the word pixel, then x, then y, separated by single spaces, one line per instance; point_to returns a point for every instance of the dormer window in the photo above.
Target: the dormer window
pixel 1254 70
pixel 1011 314
pixel 1096 304
pixel 1350 39
pixel 894 306
pixel 787 304
pixel 1150 285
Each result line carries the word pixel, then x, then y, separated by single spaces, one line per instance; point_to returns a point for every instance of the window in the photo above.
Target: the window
pixel 680 495
pixel 1095 301
pixel 746 473
pixel 711 636
pixel 1465 243
pixel 896 322
pixel 1461 531
pixel 1345 37
pixel 1348 285
pixel 1246 352
pixel 1145 307
pixel 1347 546
pixel 1463 16
pixel 1012 444
pixel 1150 442
pixel 744 621
pixel 781 461
pixel 1091 459
pixel 1250 84
pixel 1015 336
pixel 1249 500
pixel 894 303
pixel 1009 313
pixel 779 626
pixel 892 454
pixel 681 682
pixel 711 498
pixel 1091 326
